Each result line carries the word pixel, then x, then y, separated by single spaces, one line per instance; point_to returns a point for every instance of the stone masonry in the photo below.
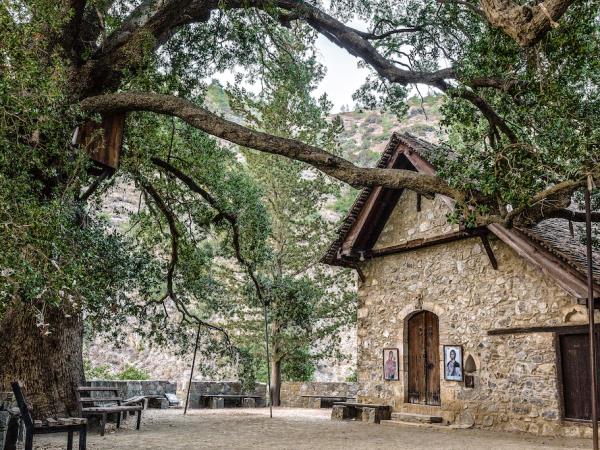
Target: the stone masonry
pixel 292 392
pixel 516 385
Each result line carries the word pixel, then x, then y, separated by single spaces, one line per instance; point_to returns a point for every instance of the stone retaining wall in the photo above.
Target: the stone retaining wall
pixel 132 388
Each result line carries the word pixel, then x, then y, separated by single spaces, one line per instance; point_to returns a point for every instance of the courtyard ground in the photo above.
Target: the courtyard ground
pixel 295 429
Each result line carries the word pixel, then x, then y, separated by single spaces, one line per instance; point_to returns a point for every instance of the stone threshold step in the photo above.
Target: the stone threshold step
pixel 399 423
pixel 416 418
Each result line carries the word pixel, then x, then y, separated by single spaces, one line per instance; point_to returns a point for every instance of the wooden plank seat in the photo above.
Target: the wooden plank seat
pixel 110 403
pixel 67 425
pixel 324 401
pixel 369 412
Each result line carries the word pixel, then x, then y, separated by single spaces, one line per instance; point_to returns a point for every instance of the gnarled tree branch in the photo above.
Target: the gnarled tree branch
pixel 527 25
pixel 231 218
pixel 328 163
pixel 573 216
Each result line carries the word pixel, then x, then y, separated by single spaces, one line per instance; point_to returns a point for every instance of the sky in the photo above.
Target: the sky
pixel 343 76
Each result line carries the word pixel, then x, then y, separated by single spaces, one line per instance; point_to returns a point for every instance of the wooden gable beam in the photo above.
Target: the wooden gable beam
pixel 429 242
pixel 367 212
pixel 490 253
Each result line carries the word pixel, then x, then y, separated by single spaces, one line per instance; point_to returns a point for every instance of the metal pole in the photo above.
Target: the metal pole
pixel 591 309
pixel 269 398
pixel 187 397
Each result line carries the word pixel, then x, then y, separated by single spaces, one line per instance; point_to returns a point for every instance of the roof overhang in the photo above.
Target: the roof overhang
pixel 373 206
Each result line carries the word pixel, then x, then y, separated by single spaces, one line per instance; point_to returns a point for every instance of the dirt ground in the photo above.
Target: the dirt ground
pixel 295 429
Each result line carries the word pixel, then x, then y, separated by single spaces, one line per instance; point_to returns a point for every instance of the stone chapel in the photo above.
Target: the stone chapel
pixel 510 304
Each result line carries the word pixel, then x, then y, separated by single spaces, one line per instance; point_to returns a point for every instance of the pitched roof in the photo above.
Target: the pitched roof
pixel 407 141
pixel 551 238
pixel 331 256
pixel 554 235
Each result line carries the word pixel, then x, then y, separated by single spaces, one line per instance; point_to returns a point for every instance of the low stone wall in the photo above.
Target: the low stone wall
pixel 132 388
pixel 291 392
pixel 223 387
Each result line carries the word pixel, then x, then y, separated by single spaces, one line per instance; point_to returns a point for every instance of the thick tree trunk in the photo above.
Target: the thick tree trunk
pixel 275 382
pixel 49 366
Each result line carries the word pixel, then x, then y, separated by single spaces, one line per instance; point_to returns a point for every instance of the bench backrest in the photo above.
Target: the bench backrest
pixel 110 394
pixel 23 408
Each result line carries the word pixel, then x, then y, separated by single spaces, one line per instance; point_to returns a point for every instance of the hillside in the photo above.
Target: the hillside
pixel 366 132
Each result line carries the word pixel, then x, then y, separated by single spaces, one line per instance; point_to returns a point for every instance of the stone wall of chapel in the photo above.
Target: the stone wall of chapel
pixel 516 385
pixel 406 223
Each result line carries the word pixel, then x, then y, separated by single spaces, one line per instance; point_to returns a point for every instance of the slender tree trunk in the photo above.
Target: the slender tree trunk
pixel 50 367
pixel 275 381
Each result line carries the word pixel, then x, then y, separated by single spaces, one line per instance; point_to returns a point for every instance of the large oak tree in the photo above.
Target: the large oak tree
pixel 522 113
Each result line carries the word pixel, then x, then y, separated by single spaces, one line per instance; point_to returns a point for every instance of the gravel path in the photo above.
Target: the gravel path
pixel 296 429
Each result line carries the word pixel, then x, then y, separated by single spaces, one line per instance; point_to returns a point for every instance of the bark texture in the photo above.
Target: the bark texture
pixel 527 25
pixel 275 388
pixel 50 367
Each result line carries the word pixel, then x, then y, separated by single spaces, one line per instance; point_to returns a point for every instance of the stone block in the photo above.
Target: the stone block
pixel 217 402
pixel 158 403
pixel 248 402
pixel 369 415
pixel 340 412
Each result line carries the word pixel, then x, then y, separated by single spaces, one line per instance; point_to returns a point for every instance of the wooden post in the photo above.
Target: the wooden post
pixel 269 398
pixel 187 397
pixel 591 309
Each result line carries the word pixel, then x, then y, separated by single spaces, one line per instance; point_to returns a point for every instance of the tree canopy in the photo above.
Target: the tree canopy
pixel 521 114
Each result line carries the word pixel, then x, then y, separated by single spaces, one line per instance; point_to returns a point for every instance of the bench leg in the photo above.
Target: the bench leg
pixel 119 420
pixel 139 420
pixel 82 438
pixel 29 440
pixel 102 424
pixel 70 440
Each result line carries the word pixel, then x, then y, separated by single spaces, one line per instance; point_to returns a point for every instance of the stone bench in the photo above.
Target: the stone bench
pixel 366 412
pixel 217 401
pixel 324 401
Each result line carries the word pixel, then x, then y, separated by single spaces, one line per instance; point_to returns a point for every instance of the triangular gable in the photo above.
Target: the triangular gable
pixel 362 227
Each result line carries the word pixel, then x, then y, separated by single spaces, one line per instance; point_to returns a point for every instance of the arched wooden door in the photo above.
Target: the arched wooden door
pixel 424 359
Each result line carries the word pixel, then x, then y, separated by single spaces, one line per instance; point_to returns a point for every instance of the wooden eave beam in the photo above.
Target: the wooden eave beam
pixel 416 244
pixel 541 329
pixel 424 166
pixel 366 212
pixel 489 251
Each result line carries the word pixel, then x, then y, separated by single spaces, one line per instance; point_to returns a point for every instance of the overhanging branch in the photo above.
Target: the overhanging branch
pixel 217 126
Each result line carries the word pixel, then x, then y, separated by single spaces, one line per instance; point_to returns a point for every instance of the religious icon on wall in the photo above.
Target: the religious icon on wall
pixel 453 363
pixel 390 364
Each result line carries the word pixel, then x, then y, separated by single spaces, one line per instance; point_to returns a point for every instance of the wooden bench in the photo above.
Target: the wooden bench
pixel 62 425
pixel 110 403
pixel 216 401
pixel 325 401
pixel 371 413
